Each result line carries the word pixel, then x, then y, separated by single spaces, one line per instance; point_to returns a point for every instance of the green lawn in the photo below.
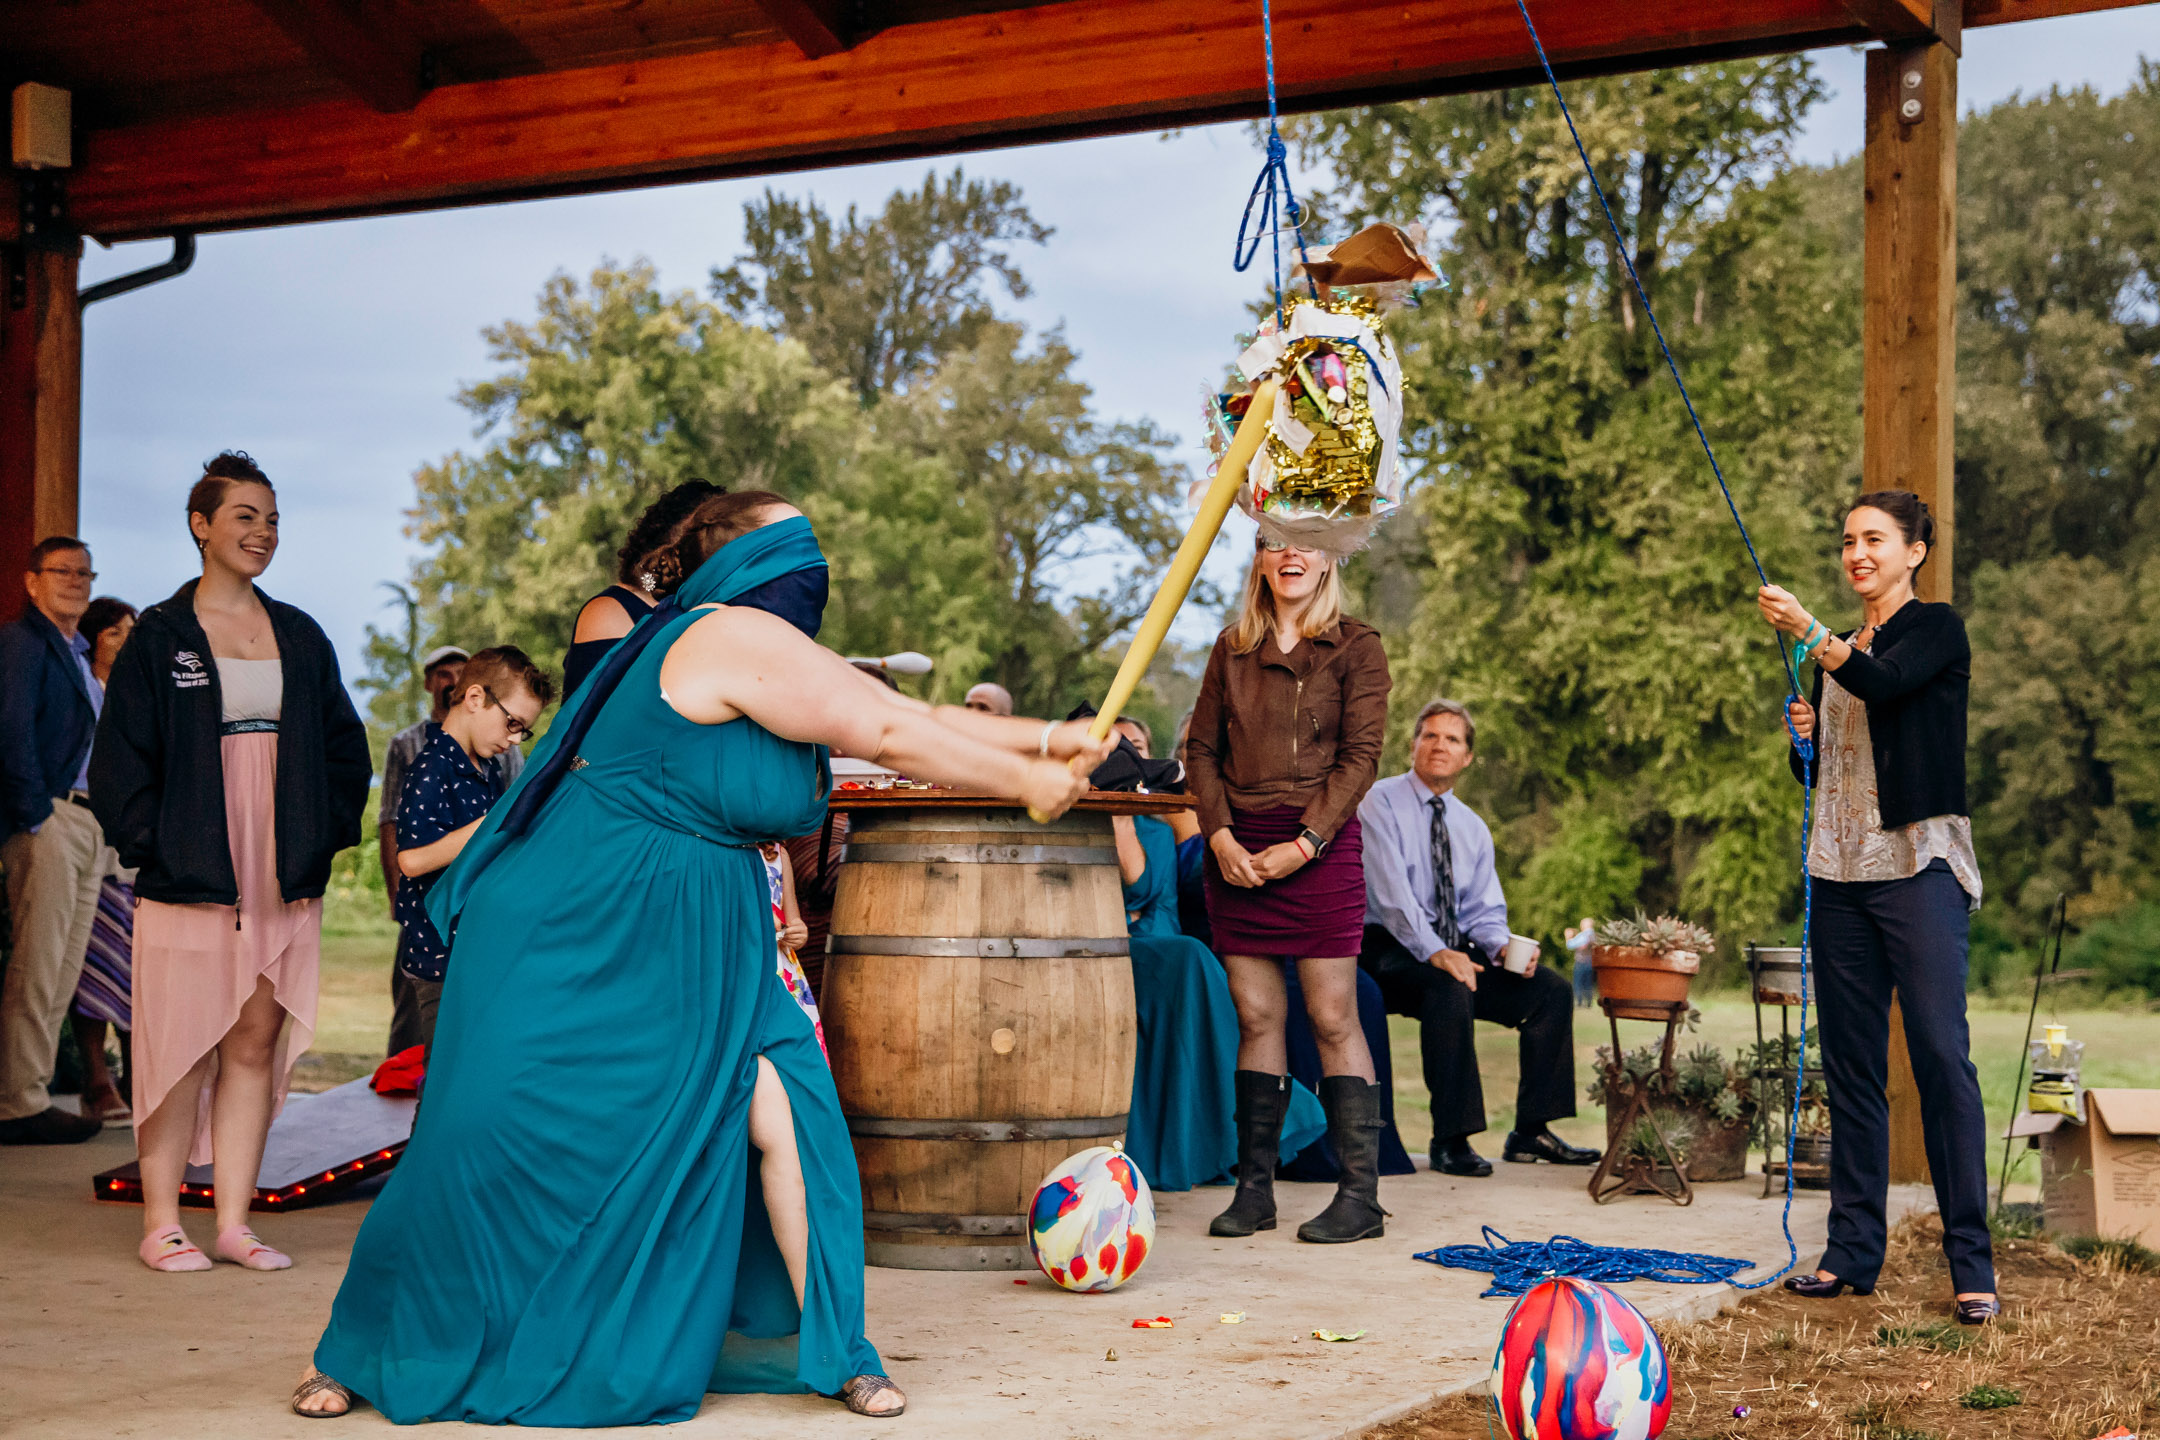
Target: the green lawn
pixel 2122 1048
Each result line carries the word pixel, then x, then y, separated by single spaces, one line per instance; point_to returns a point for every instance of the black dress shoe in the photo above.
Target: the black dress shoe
pixel 1455 1157
pixel 1978 1312
pixel 50 1126
pixel 1527 1149
pixel 1814 1287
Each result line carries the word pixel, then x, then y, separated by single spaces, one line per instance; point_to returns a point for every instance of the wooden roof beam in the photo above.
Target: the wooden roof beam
pixel 818 27
pixel 1906 21
pixel 361 44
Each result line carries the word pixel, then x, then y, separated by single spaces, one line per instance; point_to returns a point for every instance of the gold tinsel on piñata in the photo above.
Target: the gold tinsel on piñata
pixel 1334 475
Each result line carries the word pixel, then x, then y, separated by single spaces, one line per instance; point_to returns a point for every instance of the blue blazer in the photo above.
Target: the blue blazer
pixel 46 720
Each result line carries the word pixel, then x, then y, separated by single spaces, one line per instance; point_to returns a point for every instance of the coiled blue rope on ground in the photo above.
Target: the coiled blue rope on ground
pixel 1517 1265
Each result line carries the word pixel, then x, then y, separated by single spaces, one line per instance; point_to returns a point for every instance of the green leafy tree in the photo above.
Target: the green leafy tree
pixel 1568 568
pixel 880 302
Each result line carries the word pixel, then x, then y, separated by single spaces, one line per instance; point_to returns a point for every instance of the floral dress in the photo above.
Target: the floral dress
pixel 791 970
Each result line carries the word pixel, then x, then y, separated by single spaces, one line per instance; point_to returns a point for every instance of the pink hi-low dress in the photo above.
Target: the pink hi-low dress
pixel 196 965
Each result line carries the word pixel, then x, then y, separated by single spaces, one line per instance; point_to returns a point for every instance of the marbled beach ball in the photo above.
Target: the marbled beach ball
pixel 1092 1222
pixel 1577 1362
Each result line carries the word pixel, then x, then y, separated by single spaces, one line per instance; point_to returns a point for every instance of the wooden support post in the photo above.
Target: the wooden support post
pixel 40 406
pixel 1910 344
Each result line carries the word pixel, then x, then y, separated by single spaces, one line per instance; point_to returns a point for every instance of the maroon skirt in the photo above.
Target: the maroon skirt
pixel 1319 911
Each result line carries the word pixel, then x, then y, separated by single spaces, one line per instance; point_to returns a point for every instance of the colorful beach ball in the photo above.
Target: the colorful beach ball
pixel 1577 1362
pixel 1093 1220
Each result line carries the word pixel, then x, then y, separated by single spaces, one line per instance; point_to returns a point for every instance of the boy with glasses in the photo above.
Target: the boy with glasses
pixel 447 790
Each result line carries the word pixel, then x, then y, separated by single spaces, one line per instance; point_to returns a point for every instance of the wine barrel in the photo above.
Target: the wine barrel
pixel 978 1008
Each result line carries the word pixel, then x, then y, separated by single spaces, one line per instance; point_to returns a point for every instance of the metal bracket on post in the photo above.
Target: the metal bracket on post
pixel 1912 86
pixel 41 206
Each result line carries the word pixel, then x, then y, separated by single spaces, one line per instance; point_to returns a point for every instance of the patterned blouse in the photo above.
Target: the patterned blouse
pixel 1849 841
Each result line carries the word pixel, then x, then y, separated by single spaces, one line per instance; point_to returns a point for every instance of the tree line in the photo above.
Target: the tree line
pixel 1566 567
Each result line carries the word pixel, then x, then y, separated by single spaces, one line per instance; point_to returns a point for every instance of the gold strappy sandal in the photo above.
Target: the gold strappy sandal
pixel 321 1384
pixel 858 1393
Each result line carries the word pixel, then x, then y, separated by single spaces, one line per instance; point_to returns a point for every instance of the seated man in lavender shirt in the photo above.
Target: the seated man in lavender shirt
pixel 1435 935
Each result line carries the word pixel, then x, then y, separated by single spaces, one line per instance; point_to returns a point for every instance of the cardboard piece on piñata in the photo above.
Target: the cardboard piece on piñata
pixel 1329 471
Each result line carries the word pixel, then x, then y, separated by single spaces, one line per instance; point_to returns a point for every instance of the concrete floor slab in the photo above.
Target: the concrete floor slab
pixel 92 1344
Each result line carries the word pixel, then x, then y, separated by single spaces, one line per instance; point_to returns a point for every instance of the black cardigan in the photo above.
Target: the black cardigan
pixel 157 772
pixel 1914 686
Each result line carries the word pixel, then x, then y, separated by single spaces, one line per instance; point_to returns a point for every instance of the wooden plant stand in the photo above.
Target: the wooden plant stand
pixel 1618 1172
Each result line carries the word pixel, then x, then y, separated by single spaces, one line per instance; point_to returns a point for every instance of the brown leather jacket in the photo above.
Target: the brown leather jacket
pixel 1305 728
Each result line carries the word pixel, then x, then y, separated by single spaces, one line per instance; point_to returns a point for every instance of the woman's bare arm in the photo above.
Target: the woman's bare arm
pixel 742 662
pixel 436 854
pixel 1131 856
pixel 603 618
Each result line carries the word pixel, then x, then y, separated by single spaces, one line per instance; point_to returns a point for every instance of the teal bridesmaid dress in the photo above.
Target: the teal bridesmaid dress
pixel 576 1234
pixel 1182 1130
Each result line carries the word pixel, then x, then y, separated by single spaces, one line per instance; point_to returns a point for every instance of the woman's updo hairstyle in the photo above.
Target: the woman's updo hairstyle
pixel 1911 513
pixel 704 530
pixel 219 474
pixel 655 529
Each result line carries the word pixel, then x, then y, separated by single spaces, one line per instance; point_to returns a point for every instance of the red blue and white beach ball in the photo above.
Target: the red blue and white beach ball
pixel 1577 1362
pixel 1092 1223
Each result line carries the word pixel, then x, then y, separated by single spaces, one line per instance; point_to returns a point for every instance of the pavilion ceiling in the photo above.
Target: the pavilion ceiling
pixel 208 114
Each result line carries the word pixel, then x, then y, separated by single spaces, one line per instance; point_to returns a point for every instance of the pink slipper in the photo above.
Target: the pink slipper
pixel 244 1247
pixel 169 1250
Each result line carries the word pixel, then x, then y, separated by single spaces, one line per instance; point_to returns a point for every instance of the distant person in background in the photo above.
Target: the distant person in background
pixel 104 995
pixel 990 698
pixel 1436 934
pixel 449 788
pixel 54 850
pixel 615 611
pixel 230 768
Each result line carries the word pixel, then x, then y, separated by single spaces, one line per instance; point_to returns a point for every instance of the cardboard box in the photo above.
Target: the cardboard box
pixel 2101 1177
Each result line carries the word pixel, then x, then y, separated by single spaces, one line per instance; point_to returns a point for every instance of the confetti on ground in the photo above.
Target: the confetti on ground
pixel 1740 1412
pixel 1233 1317
pixel 1019 1282
pixel 1160 1322
pixel 1331 1335
pixel 1109 1355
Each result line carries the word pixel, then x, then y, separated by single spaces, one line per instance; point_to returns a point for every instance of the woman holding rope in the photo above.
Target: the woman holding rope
pixel 1895 879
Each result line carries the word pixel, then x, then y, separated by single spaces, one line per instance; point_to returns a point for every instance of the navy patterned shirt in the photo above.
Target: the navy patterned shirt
pixel 443 791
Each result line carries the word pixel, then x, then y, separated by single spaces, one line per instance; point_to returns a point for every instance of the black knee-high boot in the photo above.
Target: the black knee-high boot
pixel 1262 1101
pixel 1353 1116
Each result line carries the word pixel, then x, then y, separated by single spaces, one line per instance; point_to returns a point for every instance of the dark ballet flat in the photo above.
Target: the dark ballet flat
pixel 1977 1312
pixel 1814 1287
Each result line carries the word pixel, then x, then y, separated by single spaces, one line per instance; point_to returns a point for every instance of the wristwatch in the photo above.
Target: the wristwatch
pixel 1312 837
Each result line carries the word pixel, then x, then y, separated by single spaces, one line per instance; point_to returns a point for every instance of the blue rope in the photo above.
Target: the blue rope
pixel 1804 747
pixel 1517 1265
pixel 1271 192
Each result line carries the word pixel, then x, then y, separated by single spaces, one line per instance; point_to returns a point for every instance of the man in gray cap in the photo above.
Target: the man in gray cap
pixel 440 672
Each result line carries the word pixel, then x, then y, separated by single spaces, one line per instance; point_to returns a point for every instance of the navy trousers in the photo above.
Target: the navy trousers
pixel 1868 938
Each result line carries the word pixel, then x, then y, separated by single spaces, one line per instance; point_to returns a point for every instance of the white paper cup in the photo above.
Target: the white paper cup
pixel 1521 956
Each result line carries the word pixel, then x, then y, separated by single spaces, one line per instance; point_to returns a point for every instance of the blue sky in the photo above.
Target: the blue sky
pixel 332 351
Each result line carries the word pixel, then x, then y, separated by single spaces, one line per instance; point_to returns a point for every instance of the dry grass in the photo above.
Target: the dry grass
pixel 2078 1347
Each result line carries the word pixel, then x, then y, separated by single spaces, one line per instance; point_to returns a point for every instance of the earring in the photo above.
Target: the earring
pixel 646 582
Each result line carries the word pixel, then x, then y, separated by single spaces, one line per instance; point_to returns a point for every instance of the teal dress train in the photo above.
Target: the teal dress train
pixel 1182 1129
pixel 576 1234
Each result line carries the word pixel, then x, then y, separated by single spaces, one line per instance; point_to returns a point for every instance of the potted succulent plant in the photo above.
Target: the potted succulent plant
pixel 1706 1110
pixel 1645 965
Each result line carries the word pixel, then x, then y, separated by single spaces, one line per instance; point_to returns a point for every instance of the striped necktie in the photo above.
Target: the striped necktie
pixel 1443 860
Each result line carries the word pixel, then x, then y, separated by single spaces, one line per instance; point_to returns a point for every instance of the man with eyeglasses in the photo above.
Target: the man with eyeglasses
pixel 53 850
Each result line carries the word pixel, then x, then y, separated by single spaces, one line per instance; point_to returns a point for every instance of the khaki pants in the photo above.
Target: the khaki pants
pixel 52 887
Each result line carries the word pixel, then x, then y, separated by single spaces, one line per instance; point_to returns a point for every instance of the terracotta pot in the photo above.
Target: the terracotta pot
pixel 1640 983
